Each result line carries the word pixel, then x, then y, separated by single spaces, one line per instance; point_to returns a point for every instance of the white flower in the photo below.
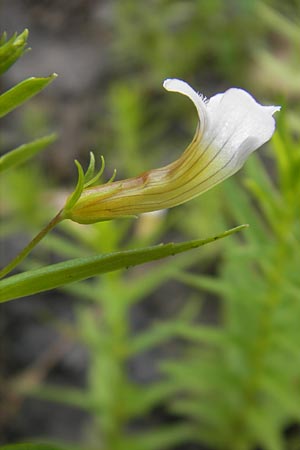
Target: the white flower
pixel 231 126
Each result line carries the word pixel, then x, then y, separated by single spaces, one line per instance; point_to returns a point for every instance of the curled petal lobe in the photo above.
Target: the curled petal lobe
pixel 175 85
pixel 231 126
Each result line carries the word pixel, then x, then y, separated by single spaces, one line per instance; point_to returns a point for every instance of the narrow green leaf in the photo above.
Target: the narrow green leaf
pixel 56 275
pixel 22 92
pixel 29 446
pixel 24 152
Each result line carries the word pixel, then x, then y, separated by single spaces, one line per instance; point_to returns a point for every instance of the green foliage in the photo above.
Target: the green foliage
pixel 10 51
pixel 245 383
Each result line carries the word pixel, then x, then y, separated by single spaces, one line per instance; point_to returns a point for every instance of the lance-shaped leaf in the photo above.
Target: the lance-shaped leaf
pixel 56 275
pixel 24 152
pixel 22 92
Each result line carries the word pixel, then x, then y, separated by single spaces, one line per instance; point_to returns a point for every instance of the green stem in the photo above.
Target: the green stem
pixel 19 258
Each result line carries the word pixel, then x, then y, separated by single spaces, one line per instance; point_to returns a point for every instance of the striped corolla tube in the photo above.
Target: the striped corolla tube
pixel 231 126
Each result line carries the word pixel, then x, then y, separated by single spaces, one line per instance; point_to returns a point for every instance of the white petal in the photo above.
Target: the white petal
pixel 238 125
pixel 175 85
pixel 233 125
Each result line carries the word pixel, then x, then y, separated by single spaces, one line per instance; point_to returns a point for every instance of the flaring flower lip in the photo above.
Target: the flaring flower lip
pixel 231 126
pixel 233 122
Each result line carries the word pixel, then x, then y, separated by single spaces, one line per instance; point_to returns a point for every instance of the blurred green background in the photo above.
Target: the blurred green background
pixel 200 352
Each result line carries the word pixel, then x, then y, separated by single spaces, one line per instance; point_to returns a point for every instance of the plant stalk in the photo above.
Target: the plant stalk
pixel 26 250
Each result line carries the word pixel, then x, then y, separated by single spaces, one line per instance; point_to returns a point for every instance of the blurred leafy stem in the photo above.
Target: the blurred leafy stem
pixel 250 373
